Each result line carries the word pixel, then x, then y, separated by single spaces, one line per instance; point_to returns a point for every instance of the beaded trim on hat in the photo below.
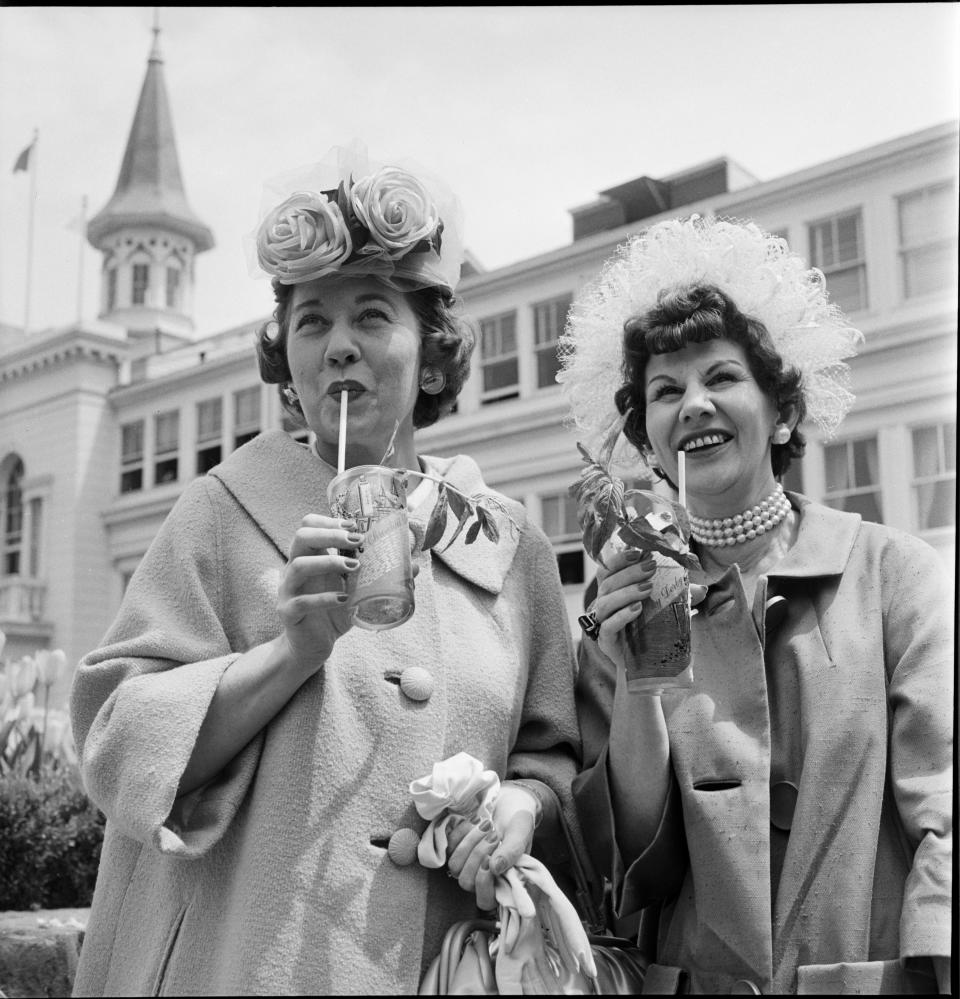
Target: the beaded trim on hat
pixel 744 526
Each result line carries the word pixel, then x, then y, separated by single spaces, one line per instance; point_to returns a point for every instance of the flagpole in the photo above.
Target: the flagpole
pixel 33 201
pixel 83 239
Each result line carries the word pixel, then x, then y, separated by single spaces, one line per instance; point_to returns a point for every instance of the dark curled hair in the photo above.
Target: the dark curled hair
pixel 696 314
pixel 447 340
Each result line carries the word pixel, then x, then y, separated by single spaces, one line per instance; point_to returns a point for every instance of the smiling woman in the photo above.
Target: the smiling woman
pixel 787 818
pixel 234 717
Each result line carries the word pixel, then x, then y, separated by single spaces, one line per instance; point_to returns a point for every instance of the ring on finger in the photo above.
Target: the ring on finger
pixel 590 624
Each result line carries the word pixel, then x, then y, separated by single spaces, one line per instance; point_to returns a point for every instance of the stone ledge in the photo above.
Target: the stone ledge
pixel 38 951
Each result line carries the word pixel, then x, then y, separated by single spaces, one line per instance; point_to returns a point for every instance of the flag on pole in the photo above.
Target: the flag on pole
pixel 23 160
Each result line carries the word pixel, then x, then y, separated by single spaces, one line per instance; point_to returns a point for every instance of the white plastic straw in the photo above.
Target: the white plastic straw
pixel 682 490
pixel 342 453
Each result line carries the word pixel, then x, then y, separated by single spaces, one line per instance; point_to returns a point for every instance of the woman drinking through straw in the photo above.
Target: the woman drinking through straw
pixel 251 748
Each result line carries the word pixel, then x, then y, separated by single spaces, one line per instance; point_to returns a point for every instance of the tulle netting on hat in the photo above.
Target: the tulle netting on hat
pixel 351 163
pixel 758 271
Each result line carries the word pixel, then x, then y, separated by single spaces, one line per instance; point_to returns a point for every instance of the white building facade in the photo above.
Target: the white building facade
pixel 880 223
pixel 103 423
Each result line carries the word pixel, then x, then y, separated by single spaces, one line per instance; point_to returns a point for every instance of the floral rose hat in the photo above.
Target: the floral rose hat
pixel 350 215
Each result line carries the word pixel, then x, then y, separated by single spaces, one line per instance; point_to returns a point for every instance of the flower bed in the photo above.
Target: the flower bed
pixel 50 834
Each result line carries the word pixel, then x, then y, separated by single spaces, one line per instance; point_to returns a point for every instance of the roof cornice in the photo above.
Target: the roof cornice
pixel 62 347
pixel 930 141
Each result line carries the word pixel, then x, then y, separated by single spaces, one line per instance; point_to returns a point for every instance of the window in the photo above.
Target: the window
pixel 209 434
pixel 928 240
pixel 36 526
pixel 131 457
pixel 836 248
pixel 853 477
pixel 549 319
pixel 13 518
pixel 173 288
pixel 166 429
pixel 498 358
pixel 111 289
pixel 141 277
pixel 560 524
pixel 246 415
pixel 935 475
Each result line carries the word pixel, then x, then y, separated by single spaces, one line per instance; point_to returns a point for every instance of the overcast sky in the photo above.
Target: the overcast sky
pixel 526 112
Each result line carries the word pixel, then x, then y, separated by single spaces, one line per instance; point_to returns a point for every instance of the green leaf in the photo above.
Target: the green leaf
pixel 465 516
pixel 457 503
pixel 488 524
pixel 669 544
pixel 473 533
pixel 437 522
pixel 600 508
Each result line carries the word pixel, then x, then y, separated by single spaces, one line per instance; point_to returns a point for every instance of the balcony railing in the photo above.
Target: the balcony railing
pixel 21 599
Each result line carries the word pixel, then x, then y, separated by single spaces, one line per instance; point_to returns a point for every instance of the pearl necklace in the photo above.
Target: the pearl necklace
pixel 744 526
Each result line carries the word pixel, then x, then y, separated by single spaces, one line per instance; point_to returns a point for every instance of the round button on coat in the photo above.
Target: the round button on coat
pixel 402 848
pixel 417 683
pixel 783 803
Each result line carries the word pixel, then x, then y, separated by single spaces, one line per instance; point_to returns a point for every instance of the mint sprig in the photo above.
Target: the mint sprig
pixel 481 508
pixel 600 509
pixel 603 509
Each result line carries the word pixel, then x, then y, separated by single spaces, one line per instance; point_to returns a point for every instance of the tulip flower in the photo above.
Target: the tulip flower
pixel 51 665
pixel 23 676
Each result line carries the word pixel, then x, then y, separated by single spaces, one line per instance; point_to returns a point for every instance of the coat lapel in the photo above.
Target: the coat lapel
pixel 277 482
pixel 720 742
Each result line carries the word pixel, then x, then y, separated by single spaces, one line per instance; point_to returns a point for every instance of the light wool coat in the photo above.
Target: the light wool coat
pixel 275 877
pixel 850 697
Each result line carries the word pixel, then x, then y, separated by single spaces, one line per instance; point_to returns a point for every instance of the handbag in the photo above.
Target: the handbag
pixel 466 964
pixel 467 958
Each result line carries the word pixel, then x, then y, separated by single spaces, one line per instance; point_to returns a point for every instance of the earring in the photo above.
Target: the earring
pixel 432 380
pixel 290 394
pixel 781 434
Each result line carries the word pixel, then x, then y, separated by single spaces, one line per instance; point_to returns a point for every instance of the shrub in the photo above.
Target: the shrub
pixel 50 832
pixel 50 840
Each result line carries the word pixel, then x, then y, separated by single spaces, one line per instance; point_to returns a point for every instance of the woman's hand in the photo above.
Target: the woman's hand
pixel 312 596
pixel 622 587
pixel 479 851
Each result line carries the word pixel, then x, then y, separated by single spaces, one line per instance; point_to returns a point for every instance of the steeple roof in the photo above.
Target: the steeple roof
pixel 150 189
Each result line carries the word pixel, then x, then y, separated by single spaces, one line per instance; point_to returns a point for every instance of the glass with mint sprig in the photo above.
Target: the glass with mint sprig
pixel 614 518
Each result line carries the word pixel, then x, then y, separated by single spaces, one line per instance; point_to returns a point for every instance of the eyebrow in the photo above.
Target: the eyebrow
pixel 713 367
pixel 314 303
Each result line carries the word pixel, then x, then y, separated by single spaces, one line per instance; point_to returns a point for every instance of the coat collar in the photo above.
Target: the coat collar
pixel 278 481
pixel 824 542
pixel 825 539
